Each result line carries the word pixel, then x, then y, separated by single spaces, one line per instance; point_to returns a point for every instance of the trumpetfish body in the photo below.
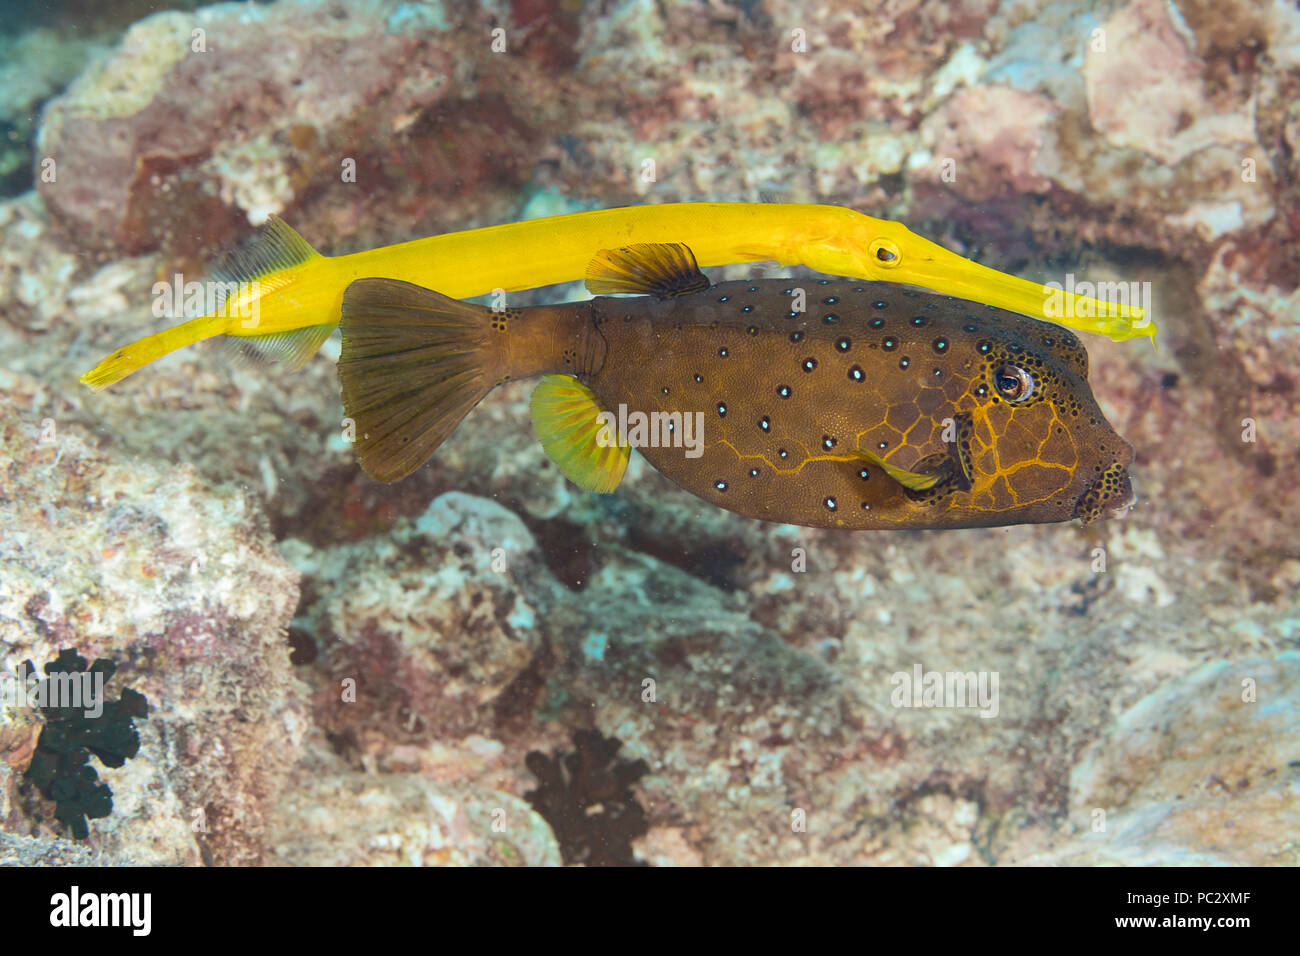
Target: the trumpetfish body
pixel 295 294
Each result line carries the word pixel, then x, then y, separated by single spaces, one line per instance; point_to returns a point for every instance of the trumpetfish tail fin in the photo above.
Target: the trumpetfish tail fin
pixel 242 277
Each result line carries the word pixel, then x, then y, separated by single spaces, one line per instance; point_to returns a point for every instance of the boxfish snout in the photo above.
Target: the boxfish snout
pixel 1123 508
pixel 1109 496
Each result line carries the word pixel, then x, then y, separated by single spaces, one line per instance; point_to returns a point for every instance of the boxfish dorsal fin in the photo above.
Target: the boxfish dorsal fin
pixel 911 480
pixel 662 269
pixel 566 420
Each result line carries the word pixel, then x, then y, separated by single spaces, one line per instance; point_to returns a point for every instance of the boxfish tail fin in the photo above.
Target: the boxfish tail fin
pixel 413 363
pixel 242 278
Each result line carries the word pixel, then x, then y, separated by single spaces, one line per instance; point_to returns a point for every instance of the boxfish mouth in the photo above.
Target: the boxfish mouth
pixel 1109 496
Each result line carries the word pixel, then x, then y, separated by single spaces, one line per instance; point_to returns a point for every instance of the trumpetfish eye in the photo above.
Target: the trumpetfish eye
pixel 885 253
pixel 1014 383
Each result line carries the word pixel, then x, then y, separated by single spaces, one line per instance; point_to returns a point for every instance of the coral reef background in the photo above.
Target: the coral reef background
pixel 341 672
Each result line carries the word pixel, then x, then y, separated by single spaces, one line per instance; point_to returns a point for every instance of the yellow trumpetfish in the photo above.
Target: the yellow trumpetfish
pixel 289 297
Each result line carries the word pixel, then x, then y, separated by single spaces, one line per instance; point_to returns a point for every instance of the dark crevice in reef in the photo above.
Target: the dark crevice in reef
pixel 1133 258
pixel 586 796
pixel 346 507
pixel 567 547
pixel 302 647
pixel 346 747
pixel 1214 368
pixel 715 563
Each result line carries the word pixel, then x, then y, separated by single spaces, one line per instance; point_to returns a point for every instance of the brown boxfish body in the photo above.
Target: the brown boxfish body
pixel 834 403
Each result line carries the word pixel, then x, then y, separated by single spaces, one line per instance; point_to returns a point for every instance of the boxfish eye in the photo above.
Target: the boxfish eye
pixel 1013 383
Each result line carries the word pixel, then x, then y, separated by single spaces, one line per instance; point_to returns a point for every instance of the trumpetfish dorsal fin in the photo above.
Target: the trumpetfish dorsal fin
pixel 274 247
pixel 662 269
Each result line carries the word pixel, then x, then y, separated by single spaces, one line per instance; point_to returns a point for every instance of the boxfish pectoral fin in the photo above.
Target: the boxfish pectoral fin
pixel 578 434
pixel 911 480
pixel 662 269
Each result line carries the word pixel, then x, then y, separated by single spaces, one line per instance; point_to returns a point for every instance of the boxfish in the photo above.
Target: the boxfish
pixel 825 402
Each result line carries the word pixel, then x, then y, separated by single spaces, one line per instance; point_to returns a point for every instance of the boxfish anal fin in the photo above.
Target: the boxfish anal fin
pixel 662 269
pixel 567 421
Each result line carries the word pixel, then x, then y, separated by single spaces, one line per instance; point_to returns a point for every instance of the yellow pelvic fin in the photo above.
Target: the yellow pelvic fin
pixel 412 365
pixel 661 269
pixel 292 349
pixel 565 420
pixel 911 480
